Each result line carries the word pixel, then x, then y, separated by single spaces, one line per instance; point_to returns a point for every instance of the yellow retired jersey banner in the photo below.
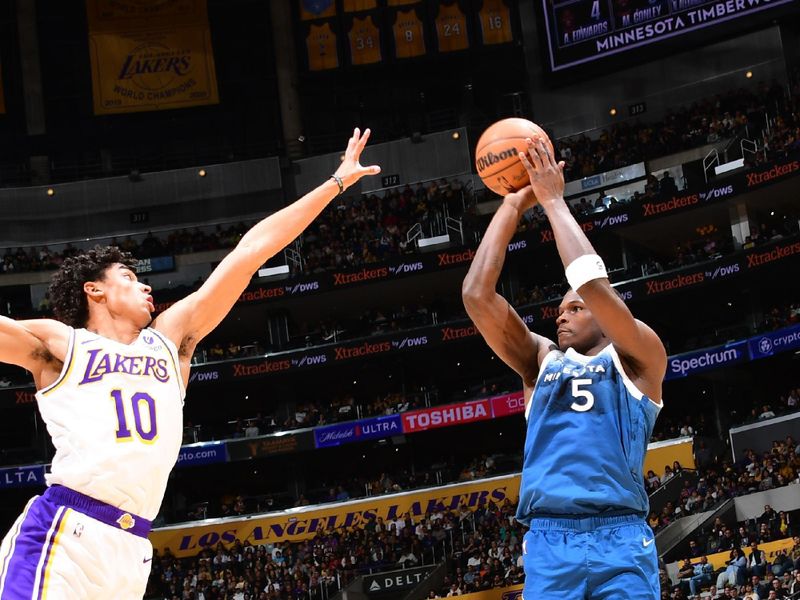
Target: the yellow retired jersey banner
pixel 152 70
pixel 304 523
pixel 135 15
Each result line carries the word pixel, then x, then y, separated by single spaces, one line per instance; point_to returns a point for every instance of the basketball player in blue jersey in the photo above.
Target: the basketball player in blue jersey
pixel 110 387
pixel 592 401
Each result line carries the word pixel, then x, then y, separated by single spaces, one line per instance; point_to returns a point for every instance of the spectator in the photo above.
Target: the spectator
pixel 703 572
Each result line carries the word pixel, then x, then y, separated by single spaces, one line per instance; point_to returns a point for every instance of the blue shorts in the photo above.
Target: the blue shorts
pixel 592 558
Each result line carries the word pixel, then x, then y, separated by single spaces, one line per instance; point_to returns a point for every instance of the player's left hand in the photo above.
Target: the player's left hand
pixel 351 169
pixel 545 173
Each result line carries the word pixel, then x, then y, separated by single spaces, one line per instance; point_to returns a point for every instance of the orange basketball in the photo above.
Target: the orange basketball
pixel 497 154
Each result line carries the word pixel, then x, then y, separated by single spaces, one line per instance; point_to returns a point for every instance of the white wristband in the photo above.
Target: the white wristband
pixel 584 269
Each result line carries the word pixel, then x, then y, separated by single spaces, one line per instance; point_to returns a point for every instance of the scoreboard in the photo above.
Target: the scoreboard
pixel 336 33
pixel 581 31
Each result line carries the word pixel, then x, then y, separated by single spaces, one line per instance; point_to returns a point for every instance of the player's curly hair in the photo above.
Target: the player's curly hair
pixel 67 297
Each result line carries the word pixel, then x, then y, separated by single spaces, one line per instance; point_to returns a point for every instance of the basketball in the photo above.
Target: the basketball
pixel 497 154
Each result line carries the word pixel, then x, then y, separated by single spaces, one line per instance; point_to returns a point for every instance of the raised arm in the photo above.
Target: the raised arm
pixel 192 318
pixel 499 324
pixel 642 353
pixel 38 345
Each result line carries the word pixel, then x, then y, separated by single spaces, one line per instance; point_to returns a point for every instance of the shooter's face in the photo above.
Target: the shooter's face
pixel 577 327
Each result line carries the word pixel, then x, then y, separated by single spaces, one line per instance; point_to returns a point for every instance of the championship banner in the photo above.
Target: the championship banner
pixel 303 523
pixel 138 15
pixel 152 70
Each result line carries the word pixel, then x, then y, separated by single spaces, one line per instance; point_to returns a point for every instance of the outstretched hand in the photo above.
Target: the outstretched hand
pixel 545 173
pixel 351 169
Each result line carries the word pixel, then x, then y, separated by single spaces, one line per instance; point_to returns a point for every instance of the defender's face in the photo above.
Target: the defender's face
pixel 577 327
pixel 125 296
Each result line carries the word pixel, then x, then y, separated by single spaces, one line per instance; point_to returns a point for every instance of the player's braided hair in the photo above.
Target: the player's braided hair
pixel 67 297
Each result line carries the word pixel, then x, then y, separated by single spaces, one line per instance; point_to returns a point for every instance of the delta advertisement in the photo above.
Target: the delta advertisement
pixel 303 523
pixel 27 476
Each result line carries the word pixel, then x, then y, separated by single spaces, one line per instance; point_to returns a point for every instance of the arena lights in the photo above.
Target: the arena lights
pixel 202 173
pixel 749 74
pixel 613 112
pixel 456 135
pixel 51 192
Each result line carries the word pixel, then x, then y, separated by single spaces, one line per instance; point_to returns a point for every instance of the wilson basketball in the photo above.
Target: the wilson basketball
pixel 497 154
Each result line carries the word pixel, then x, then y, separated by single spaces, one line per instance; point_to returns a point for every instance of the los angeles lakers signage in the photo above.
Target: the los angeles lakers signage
pixel 159 58
pixel 298 524
pixel 303 523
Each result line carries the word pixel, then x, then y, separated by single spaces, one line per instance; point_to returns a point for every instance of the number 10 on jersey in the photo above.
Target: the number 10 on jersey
pixel 135 406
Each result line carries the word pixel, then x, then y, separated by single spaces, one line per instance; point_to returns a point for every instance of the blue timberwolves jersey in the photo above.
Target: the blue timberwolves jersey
pixel 587 433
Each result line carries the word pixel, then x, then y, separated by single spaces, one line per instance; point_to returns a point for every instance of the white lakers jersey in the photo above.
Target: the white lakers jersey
pixel 116 418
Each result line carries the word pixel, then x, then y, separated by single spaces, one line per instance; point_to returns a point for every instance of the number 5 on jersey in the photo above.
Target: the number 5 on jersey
pixel 585 395
pixel 124 434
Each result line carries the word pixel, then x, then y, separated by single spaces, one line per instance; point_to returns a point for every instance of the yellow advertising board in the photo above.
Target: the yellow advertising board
pixel 303 523
pixel 661 454
pixel 152 70
pixel 770 549
pixel 512 592
pixel 138 15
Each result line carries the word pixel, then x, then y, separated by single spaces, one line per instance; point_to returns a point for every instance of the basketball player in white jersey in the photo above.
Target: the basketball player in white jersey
pixel 110 389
